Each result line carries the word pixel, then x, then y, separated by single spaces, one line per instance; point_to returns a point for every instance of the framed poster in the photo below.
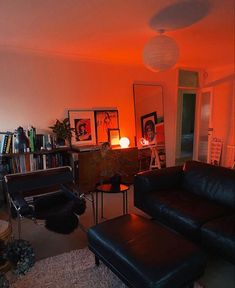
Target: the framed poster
pixel 83 122
pixel 105 120
pixel 114 136
pixel 215 151
pixel 148 123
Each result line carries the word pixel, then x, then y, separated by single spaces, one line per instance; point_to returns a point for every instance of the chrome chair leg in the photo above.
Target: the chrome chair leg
pixel 19 217
pixel 93 207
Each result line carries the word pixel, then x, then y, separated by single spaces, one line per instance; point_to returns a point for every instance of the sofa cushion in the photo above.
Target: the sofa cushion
pixel 183 211
pixel 213 182
pixel 155 180
pixel 219 234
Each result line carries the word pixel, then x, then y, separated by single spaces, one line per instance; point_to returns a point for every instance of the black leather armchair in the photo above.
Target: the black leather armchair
pixel 48 194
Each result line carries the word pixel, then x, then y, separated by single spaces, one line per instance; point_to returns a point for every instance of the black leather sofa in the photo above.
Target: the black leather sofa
pixel 197 200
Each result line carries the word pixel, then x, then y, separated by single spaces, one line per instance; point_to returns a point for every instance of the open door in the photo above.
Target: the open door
pixel 205 130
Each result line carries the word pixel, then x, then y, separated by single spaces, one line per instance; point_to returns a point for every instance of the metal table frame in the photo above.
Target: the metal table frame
pixel 107 188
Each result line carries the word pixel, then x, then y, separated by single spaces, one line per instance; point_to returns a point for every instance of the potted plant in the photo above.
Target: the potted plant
pixel 62 130
pixel 21 255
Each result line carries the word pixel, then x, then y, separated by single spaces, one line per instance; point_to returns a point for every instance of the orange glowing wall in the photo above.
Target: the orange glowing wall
pixel 38 89
pixel 223 110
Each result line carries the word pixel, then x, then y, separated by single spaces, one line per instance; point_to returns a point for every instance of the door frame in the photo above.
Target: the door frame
pixel 197 122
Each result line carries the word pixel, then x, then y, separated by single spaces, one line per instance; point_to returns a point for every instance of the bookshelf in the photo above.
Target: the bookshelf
pixel 31 161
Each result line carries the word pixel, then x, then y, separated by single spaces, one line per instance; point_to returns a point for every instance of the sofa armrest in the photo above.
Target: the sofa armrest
pixel 151 181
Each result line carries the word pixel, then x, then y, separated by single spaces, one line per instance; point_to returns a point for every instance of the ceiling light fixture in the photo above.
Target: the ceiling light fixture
pixel 160 53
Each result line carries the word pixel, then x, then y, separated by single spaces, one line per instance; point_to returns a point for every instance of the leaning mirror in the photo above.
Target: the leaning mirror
pixel 149 118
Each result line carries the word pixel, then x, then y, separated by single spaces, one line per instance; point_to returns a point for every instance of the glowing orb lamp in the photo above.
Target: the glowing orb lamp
pixel 124 142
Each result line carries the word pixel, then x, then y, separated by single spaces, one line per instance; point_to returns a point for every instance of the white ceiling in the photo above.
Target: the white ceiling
pixel 114 30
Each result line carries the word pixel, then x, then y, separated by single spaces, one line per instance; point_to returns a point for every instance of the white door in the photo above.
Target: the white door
pixel 205 125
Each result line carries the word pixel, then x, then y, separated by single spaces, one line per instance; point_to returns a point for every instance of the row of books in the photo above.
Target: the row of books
pixel 12 143
pixel 32 162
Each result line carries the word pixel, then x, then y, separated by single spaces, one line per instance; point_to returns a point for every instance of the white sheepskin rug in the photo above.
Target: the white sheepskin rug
pixel 69 270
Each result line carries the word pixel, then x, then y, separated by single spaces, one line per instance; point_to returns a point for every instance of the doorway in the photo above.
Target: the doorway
pixel 185 125
pixel 187 131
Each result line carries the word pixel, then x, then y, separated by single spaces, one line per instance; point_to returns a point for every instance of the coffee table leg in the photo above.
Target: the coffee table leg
pixel 126 201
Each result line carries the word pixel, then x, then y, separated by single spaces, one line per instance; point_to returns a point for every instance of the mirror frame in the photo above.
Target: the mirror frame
pixel 139 122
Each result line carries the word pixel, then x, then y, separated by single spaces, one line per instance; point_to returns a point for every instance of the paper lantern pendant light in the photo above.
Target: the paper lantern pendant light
pixel 160 53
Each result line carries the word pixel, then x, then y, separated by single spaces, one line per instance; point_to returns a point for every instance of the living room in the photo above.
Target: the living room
pixel 76 55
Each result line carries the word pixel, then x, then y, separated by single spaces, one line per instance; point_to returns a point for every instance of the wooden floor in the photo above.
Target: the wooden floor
pixel 219 273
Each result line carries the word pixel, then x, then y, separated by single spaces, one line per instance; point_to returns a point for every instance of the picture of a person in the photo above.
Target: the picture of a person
pixel 81 131
pixel 149 131
pixel 107 122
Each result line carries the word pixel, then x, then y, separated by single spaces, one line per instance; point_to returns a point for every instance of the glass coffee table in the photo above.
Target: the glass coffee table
pixel 111 189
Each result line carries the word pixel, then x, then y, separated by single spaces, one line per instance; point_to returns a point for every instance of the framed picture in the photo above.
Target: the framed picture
pixel 104 120
pixel 148 123
pixel 83 122
pixel 114 136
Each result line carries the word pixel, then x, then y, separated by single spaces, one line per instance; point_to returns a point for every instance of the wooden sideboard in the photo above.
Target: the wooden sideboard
pixel 94 166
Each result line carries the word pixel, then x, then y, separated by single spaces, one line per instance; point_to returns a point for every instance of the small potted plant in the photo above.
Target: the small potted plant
pixel 21 255
pixel 63 131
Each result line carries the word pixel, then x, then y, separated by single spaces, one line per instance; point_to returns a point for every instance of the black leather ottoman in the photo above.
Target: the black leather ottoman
pixel 143 253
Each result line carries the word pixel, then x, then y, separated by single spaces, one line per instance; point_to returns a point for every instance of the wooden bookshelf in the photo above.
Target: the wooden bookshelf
pixel 31 161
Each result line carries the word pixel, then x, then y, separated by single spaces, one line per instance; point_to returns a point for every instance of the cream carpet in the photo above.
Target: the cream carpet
pixel 69 270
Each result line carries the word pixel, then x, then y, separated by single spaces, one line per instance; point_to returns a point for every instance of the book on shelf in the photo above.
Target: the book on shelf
pixel 9 146
pixel 2 143
pixel 39 141
pixel 5 142
pixel 32 137
pixel 22 164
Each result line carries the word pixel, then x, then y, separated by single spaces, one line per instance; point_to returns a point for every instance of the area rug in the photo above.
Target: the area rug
pixel 75 269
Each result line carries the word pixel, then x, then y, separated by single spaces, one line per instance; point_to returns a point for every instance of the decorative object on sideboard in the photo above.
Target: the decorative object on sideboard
pixel 105 120
pixel 63 131
pixel 114 136
pixel 83 124
pixel 148 123
pixel 124 142
pixel 115 181
pixel 22 141
pixel 144 142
